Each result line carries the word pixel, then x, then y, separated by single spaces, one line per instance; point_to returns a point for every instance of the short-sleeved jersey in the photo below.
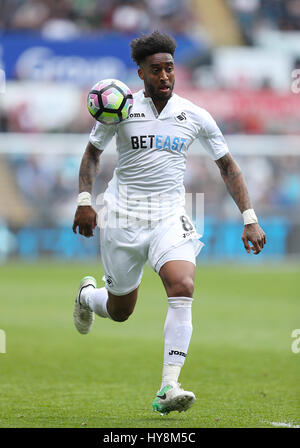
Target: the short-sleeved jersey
pixel 152 150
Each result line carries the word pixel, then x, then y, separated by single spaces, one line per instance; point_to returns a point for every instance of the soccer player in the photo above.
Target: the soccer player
pixel 144 209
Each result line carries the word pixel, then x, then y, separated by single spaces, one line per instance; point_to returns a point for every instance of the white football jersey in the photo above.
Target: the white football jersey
pixel 152 149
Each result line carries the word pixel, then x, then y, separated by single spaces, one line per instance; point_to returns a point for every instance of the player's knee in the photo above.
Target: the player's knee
pixel 183 287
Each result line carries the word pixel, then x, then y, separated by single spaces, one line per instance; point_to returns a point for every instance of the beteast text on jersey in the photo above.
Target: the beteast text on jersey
pixel 161 142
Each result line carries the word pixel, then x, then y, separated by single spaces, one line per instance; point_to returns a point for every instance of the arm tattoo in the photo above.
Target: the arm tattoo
pixel 234 181
pixel 89 168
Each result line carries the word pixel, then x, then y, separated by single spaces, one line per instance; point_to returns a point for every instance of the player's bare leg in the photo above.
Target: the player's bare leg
pixel 120 308
pixel 178 279
pixel 91 299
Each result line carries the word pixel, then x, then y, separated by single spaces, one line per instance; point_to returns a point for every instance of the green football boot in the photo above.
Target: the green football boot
pixel 173 398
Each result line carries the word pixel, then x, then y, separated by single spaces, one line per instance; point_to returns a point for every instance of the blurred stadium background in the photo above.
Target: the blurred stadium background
pixel 236 58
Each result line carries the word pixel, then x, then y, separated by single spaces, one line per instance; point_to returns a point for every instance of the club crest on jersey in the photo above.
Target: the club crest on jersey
pixel 181 117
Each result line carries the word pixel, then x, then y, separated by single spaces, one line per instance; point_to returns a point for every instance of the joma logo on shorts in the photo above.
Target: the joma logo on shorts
pixel 185 235
pixel 176 352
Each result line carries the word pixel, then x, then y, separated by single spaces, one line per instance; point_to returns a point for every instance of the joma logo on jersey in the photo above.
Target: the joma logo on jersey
pixel 163 142
pixel 177 352
pixel 137 115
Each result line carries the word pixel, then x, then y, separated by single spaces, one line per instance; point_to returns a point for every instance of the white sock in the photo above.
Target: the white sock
pixel 177 332
pixel 170 374
pixel 95 299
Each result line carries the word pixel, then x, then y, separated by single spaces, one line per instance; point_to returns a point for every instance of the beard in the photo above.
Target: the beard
pixel 156 95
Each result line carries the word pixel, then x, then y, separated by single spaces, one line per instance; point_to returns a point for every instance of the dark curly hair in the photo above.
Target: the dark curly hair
pixel 146 45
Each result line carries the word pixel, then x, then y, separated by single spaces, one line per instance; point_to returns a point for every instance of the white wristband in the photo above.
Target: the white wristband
pixel 249 217
pixel 84 198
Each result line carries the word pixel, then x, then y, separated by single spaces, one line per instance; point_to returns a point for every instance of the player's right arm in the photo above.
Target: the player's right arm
pixel 86 217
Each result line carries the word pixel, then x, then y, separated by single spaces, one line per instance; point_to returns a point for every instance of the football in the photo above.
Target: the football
pixel 110 101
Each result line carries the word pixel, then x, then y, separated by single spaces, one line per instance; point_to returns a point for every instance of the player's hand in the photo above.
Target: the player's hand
pixel 255 234
pixel 86 220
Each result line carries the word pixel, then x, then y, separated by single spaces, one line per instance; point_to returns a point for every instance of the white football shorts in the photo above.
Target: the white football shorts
pixel 125 249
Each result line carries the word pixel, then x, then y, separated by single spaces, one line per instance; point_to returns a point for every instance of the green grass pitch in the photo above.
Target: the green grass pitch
pixel 240 363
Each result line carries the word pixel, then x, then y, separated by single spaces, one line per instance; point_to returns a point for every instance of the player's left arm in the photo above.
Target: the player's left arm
pixel 237 188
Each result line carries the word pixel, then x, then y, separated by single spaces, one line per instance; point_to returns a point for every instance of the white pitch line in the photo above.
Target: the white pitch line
pixel 286 425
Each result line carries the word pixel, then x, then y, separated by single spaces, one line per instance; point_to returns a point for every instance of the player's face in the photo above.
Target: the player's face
pixel 157 72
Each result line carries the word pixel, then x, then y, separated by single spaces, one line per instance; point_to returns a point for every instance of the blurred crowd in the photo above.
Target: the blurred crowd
pixel 255 15
pixel 48 185
pixel 68 19
pixel 273 183
pixel 28 117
